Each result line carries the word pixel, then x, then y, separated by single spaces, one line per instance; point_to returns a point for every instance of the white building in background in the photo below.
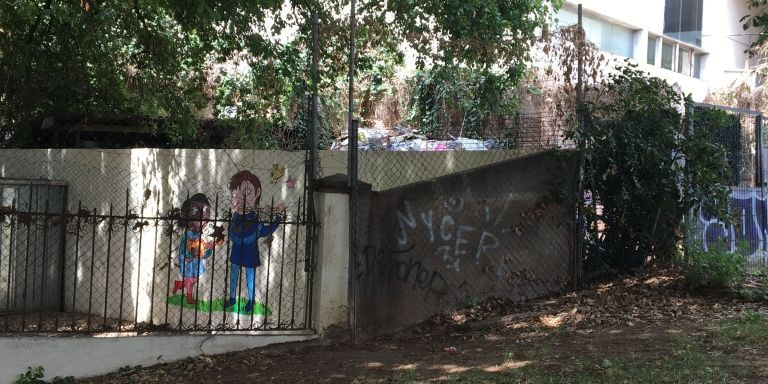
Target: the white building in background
pixel 697 44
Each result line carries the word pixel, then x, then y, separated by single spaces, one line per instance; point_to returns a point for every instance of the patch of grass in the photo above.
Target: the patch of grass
pixel 219 305
pixel 478 376
pixel 755 286
pixel 748 332
pixel 715 268
pixel 687 363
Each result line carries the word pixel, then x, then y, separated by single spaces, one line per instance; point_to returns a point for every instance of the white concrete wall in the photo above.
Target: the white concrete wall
pixel 332 268
pixel 92 356
pixel 154 181
pixel 97 178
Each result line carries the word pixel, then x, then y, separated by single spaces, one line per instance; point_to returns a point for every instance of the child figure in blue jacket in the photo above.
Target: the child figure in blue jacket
pixel 245 230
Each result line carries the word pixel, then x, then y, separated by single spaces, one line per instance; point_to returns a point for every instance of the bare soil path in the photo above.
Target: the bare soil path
pixel 639 329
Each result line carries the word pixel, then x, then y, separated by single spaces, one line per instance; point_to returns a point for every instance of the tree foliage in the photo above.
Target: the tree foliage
pixel 649 166
pixel 180 60
pixel 757 19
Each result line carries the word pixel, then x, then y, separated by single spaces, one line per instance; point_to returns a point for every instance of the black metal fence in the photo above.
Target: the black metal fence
pixel 131 270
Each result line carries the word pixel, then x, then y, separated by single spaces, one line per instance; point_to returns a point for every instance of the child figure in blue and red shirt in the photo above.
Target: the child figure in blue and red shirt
pixel 245 229
pixel 197 244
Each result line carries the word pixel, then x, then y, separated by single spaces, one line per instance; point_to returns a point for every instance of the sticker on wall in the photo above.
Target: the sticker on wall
pixel 291 182
pixel 278 171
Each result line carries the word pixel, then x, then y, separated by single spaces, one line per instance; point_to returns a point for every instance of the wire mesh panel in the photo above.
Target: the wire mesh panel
pixel 741 136
pixel 174 240
pixel 502 230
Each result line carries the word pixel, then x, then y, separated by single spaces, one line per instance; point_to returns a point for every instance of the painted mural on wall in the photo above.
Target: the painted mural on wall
pixel 245 230
pixel 750 227
pixel 197 244
pixel 201 238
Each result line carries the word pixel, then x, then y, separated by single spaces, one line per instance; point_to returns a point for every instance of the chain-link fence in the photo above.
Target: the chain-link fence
pixel 147 239
pixel 453 221
pixel 742 137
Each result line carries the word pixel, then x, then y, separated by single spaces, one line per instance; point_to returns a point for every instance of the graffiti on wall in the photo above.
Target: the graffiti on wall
pixel 385 263
pixel 749 228
pixel 433 245
pixel 454 241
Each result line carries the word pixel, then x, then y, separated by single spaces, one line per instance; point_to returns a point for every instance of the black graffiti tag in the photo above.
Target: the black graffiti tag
pixel 385 264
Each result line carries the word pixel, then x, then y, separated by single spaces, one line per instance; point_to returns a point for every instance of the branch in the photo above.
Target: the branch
pixel 38 20
pixel 138 13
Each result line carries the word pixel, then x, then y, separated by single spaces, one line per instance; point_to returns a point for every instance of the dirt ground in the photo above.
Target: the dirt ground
pixel 595 331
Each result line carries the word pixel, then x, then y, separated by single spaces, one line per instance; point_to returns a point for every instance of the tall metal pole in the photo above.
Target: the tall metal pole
pixel 352 181
pixel 309 265
pixel 313 109
pixel 580 222
pixel 580 59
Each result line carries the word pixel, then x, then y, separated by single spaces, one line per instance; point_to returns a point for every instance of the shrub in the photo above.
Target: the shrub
pixel 31 376
pixel 755 288
pixel 714 268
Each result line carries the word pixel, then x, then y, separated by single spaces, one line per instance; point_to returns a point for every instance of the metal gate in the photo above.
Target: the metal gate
pixel 31 244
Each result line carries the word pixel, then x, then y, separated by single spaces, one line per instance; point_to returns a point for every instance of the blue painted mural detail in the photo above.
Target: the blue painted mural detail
pixel 750 227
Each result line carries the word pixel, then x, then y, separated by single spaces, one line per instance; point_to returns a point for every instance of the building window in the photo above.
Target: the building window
pixel 682 20
pixel 685 62
pixel 651 51
pixel 667 52
pixel 607 36
pixel 697 66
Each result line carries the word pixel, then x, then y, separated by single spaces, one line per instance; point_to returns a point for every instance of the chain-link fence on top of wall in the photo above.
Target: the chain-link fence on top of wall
pixel 394 157
pixel 153 239
pixel 743 139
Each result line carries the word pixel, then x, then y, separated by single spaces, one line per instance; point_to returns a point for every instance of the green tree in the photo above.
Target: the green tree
pixel 650 163
pixel 758 18
pixel 247 60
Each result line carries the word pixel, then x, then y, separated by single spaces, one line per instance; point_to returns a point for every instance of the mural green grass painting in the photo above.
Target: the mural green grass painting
pixel 219 305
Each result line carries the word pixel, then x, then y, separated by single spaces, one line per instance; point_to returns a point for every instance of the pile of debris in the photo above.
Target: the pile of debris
pixel 403 139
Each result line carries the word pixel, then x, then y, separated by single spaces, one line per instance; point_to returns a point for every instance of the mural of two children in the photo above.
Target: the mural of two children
pixel 201 237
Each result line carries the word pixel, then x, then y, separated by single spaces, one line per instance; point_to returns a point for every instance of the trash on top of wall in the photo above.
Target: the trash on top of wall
pixel 403 139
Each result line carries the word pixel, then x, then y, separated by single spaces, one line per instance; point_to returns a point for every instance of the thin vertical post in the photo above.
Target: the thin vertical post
pixel 761 178
pixel 125 252
pixel 44 268
pixel 578 245
pixel 227 272
pixel 110 223
pixel 138 266
pixel 352 176
pixel 93 261
pixel 154 260
pixel 295 270
pixel 26 261
pixel 580 60
pixel 282 278
pixel 77 262
pixel 213 265
pixel 313 110
pixel 63 252
pixel 14 218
